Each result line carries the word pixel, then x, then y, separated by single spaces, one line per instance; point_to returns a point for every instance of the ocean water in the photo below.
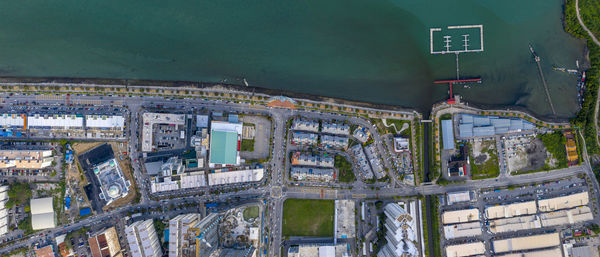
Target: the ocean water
pixel 375 51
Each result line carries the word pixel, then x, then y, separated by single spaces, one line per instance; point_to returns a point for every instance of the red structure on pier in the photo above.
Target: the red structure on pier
pixel 456 81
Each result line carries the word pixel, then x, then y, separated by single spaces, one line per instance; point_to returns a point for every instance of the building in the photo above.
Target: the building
pixel 361 134
pixel 238 176
pixel 14 158
pixel 113 184
pixel 334 141
pixel 468 249
pixel 514 224
pixel 305 125
pixel 458 163
pixel 105 244
pixel 525 243
pixel 312 174
pixel 375 161
pixel 202 121
pixel 63 249
pixel 363 162
pixel 105 122
pixel 54 121
pixel 460 216
pixel 563 202
pixel 563 217
pixel 511 210
pixel 401 227
pixel 484 126
pixel 206 234
pixel 151 119
pixel 46 251
pixel 458 197
pixel 571 148
pixel 12 120
pixel 178 234
pixel 225 138
pixel 318 250
pixel 42 213
pixel 302 138
pixel 171 175
pixel 469 229
pixel 336 128
pixel 309 159
pixel 401 144
pixel 447 135
pixel 142 239
pixel 3 212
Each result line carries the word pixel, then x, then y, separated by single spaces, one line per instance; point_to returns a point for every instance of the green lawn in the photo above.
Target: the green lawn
pixel 251 213
pixel 248 145
pixel 307 217
pixel 490 167
pixel 346 175
pixel 555 144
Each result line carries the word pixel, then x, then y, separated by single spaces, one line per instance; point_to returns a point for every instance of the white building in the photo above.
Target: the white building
pixel 178 229
pixel 142 239
pixel 150 119
pixel 401 144
pixel 3 211
pixel 42 213
pixel 238 176
pixel 55 121
pixel 401 233
pixel 105 122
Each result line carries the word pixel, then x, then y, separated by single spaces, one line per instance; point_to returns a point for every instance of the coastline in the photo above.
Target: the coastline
pixel 224 87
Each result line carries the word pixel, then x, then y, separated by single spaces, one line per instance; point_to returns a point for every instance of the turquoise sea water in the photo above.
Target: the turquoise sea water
pixel 375 50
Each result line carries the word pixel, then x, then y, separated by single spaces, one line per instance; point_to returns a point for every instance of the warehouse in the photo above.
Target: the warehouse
pixel 510 210
pixel 42 213
pixel 447 134
pixel 463 250
pixel 470 229
pixel 238 176
pixel 460 216
pixel 480 126
pixel 457 197
pixel 562 217
pixel 564 202
pixel 525 243
pixel 554 252
pixel 514 224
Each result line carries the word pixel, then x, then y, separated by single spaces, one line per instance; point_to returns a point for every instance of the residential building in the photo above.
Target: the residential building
pixel 105 122
pixel 336 128
pixel 46 251
pixel 310 159
pixel 302 138
pixel 361 134
pixel 401 227
pixel 17 158
pixel 375 161
pixel 305 125
pixel 105 244
pixel 3 211
pixel 178 233
pixel 334 141
pixel 313 174
pixel 142 239
pixel 63 249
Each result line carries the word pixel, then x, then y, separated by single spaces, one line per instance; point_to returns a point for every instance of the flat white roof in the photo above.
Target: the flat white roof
pixel 238 176
pixel 226 126
pixel 41 205
pixel 554 252
pixel 470 229
pixel 456 197
pixel 150 119
pixel 11 120
pixel 460 216
pixel 104 121
pixel 526 243
pixel 511 210
pixel 42 213
pixel 55 120
pixel 463 250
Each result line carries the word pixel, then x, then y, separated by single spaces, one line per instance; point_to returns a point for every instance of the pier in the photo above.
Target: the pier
pixel 537 61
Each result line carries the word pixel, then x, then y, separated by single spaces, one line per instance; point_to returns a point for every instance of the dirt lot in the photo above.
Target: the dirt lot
pixel 525 153
pixel 484 159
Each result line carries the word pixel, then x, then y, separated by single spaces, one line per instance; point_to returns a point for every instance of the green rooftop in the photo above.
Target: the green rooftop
pixel 223 147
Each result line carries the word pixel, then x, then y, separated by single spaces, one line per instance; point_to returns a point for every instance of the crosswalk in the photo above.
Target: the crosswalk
pixel 49 97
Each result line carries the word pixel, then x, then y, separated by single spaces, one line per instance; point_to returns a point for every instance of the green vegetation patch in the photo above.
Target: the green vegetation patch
pixel 555 145
pixel 248 145
pixel 488 167
pixel 307 217
pixel 251 213
pixel 18 194
pixel 398 124
pixel 346 174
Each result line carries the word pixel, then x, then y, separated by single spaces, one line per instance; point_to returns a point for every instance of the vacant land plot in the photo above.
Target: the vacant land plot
pixel 344 167
pixel 524 153
pixel 484 159
pixel 256 146
pixel 306 217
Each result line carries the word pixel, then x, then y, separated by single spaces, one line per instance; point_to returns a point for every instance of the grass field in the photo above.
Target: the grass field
pixel 247 145
pixel 306 217
pixel 346 175
pixel 251 213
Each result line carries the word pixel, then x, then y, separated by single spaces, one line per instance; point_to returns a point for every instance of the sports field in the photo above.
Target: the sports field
pixel 307 217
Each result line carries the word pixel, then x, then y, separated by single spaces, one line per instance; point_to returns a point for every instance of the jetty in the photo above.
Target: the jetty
pixel 537 61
